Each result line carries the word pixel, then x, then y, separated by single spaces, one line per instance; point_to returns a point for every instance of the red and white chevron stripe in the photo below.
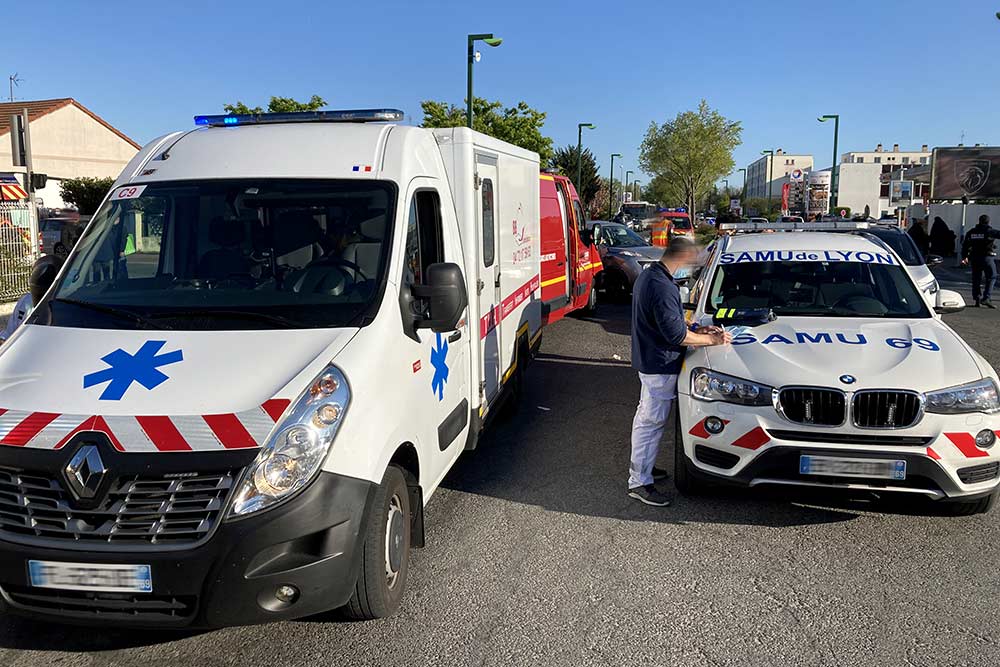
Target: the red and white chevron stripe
pixel 47 430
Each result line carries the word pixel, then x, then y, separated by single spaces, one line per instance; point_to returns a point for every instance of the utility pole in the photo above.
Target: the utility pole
pixel 611 184
pixel 579 156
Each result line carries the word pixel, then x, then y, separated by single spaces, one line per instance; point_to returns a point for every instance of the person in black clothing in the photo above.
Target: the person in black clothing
pixel 977 250
pixel 660 337
pixel 918 232
pixel 942 238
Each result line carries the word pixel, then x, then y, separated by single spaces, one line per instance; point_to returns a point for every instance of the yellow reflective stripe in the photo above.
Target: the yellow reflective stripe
pixel 546 178
pixel 553 281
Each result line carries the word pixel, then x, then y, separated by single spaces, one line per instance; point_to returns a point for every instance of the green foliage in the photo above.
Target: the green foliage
pixel 660 191
pixel 85 193
pixel 690 153
pixel 564 160
pixel 277 105
pixel 762 209
pixel 520 125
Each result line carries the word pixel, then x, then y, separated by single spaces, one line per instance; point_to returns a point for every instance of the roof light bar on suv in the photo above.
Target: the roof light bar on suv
pixel 338 116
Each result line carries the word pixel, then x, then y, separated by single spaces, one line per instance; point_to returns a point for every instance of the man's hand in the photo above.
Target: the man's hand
pixel 709 329
pixel 721 337
pixel 965 261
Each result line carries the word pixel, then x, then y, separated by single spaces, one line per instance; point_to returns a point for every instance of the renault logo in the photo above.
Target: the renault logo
pixel 85 472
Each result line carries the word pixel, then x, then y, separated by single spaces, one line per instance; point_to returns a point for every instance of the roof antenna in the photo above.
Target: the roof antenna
pixel 14 81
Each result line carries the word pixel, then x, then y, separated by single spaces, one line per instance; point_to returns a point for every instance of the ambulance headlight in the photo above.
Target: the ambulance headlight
pixel 294 452
pixel 710 385
pixel 978 396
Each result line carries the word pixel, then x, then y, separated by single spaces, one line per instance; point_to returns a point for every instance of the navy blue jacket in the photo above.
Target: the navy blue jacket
pixel 658 325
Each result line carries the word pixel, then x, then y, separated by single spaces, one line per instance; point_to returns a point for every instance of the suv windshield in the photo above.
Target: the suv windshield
pixel 249 253
pixel 901 243
pixel 619 236
pixel 680 223
pixel 817 288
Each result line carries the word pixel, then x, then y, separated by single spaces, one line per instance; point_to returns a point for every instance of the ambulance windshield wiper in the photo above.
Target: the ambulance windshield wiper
pixel 122 313
pixel 238 314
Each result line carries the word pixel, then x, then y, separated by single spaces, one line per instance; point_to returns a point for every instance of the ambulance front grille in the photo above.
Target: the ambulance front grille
pixel 885 409
pixel 135 509
pixel 814 406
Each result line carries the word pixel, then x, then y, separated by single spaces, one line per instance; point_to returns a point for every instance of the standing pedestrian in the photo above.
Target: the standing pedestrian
pixel 918 232
pixel 977 250
pixel 660 336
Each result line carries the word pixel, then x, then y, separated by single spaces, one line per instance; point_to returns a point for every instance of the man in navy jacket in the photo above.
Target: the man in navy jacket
pixel 660 337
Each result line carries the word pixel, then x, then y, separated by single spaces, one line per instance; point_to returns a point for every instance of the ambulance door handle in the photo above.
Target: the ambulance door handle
pixel 455 337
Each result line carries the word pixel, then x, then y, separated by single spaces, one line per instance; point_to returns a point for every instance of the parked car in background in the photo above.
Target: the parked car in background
pixel 791 218
pixel 918 266
pixel 624 255
pixel 57 236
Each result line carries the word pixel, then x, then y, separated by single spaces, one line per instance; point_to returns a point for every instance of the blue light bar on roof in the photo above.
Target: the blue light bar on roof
pixel 339 116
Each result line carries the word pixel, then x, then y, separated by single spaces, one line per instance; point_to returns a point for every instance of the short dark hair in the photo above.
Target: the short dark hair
pixel 984 219
pixel 678 246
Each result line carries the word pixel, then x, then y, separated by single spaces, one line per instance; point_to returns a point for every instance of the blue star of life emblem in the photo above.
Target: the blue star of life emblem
pixel 439 354
pixel 125 368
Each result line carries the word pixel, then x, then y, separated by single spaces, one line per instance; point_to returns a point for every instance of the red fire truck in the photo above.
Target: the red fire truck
pixel 570 263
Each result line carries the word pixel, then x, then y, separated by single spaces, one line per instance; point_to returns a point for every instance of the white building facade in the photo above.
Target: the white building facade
pixel 864 176
pixel 762 177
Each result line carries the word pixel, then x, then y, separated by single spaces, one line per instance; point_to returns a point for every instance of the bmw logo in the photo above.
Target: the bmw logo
pixel 848 379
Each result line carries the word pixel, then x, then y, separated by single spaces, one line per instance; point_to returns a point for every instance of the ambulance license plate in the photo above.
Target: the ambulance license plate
pixel 91 577
pixel 838 467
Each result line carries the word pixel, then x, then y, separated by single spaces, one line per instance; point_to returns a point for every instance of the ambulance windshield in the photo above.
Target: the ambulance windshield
pixel 817 289
pixel 231 254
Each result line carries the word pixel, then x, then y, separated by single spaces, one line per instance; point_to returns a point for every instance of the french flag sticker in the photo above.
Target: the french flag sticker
pixel 365 168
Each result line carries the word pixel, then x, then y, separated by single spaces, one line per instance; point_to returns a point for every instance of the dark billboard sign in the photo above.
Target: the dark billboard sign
pixel 965 172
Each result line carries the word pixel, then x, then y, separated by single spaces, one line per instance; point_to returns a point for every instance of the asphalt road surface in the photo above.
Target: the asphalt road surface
pixel 536 556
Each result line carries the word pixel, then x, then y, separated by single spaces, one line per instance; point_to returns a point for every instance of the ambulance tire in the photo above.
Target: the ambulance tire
pixel 384 565
pixel 616 287
pixel 686 483
pixel 972 507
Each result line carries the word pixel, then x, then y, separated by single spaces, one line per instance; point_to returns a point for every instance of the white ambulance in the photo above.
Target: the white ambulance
pixel 840 375
pixel 268 348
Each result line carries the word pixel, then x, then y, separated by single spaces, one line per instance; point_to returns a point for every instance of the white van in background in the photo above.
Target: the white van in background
pixel 240 418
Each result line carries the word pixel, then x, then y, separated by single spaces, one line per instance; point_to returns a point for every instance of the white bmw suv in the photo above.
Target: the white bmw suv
pixel 839 375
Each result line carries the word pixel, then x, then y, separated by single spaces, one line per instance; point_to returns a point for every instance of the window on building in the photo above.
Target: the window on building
pixel 423 236
pixel 860 159
pixel 906 160
pixel 878 160
pixel 923 160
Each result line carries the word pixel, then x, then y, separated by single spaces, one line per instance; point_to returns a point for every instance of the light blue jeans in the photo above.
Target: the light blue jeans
pixel 657 394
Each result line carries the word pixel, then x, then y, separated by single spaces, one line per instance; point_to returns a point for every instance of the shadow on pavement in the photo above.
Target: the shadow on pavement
pixel 21 634
pixel 567 449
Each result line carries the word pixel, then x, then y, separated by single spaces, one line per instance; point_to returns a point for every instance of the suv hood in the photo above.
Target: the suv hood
pixel 906 354
pixel 66 370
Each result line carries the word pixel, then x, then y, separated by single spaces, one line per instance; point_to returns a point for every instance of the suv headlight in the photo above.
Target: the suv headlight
pixel 978 396
pixel 713 386
pixel 297 447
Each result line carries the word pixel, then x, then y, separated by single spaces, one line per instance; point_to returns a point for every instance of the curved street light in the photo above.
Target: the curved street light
pixel 611 184
pixel 579 156
pixel 489 40
pixel 770 177
pixel 833 167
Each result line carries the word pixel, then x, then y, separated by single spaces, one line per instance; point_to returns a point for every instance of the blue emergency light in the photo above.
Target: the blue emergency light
pixel 338 116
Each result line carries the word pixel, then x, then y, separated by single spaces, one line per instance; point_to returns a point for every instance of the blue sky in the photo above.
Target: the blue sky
pixel 898 71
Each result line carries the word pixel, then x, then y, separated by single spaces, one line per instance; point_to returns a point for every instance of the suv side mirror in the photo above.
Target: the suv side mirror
pixel 595 234
pixel 43 274
pixel 933 260
pixel 949 302
pixel 445 295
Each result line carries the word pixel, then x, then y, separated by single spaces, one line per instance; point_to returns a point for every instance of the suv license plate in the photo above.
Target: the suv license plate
pixel 91 577
pixel 839 467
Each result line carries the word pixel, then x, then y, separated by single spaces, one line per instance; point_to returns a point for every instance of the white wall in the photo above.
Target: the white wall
pixel 858 185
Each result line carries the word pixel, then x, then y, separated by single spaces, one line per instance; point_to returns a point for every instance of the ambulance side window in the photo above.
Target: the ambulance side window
pixel 423 236
pixel 581 219
pixel 489 240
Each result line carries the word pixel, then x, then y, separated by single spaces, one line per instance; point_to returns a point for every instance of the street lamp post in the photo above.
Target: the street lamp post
pixel 726 189
pixel 743 192
pixel 579 156
pixel 770 176
pixel 611 184
pixel 833 167
pixel 489 40
pixel 636 191
pixel 627 174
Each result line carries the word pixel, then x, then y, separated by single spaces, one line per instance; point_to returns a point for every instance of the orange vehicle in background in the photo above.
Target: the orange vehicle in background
pixel 671 223
pixel 570 262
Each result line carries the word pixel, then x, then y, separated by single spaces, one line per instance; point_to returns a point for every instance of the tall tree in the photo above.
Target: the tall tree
pixel 564 160
pixel 520 125
pixel 661 191
pixel 277 105
pixel 691 152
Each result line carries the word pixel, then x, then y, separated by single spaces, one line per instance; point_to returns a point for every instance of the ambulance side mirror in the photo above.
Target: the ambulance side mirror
pixel 43 274
pixel 595 235
pixel 445 296
pixel 949 302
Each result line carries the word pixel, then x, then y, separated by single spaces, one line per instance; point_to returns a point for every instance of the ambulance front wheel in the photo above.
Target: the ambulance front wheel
pixel 687 483
pixel 977 506
pixel 385 556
